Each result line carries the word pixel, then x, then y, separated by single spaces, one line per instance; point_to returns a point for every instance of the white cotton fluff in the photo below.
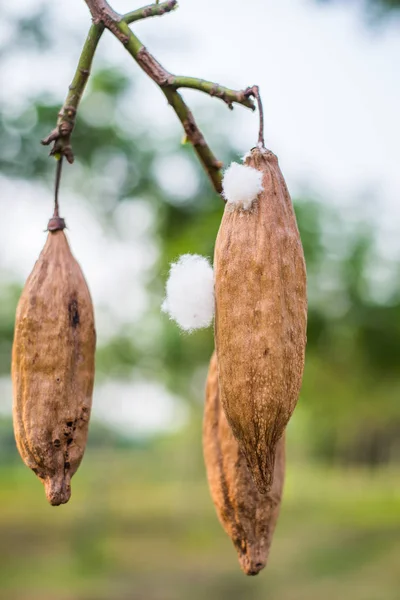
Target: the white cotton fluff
pixel 241 185
pixel 190 292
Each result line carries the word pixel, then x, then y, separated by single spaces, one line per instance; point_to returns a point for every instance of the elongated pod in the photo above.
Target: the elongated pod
pixel 261 317
pixel 248 517
pixel 53 367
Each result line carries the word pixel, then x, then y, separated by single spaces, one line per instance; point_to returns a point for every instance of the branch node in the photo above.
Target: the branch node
pixel 69 111
pixel 170 81
pixel 53 135
pixel 113 27
pixel 214 90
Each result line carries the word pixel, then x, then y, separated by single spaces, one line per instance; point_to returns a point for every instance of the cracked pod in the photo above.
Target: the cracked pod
pixel 53 366
pixel 248 517
pixel 260 317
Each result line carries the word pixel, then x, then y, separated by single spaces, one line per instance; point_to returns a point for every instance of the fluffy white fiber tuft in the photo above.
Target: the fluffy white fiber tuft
pixel 241 185
pixel 190 292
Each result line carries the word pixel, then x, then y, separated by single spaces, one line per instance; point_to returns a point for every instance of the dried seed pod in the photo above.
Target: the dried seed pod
pixel 260 317
pixel 248 517
pixel 53 366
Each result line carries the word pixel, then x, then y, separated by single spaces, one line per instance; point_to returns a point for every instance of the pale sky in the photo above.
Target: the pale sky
pixel 331 95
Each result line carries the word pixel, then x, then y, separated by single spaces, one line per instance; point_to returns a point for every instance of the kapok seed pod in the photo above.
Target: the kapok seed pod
pixel 53 366
pixel 260 317
pixel 248 517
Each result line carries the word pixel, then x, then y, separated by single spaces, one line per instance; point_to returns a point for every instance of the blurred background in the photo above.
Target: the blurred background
pixel 140 523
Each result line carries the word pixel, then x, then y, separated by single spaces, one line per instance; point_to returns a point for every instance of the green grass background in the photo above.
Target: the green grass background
pixel 141 525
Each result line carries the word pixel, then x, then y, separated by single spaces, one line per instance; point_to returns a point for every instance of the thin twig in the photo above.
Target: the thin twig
pixel 212 89
pixel 152 10
pixel 56 222
pixel 255 91
pixel 105 17
pixel 210 162
pixel 160 76
pixel 60 137
pixel 169 85
pixel 57 187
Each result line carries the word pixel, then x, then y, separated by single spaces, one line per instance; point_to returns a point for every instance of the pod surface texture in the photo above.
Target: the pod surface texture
pixel 53 368
pixel 260 317
pixel 248 517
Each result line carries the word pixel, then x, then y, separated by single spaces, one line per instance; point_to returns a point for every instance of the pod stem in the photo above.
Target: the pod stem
pixel 56 222
pixel 255 92
pixel 57 186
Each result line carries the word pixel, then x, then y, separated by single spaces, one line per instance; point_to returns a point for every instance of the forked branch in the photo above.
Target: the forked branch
pixel 104 16
pixel 60 137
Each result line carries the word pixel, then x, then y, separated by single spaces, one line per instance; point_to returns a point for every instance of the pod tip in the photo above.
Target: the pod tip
pixel 252 565
pixel 57 491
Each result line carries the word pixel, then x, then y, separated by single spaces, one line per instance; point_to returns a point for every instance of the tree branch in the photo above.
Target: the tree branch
pixel 60 137
pixel 213 89
pixel 152 10
pixel 102 11
pixel 169 85
pixel 209 161
pixel 255 92
pixel 105 17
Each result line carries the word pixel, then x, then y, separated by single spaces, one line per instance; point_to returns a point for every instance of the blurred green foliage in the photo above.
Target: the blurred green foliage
pixel 140 525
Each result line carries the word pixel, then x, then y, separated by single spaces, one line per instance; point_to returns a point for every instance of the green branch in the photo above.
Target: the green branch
pixel 105 17
pixel 152 10
pixel 169 85
pixel 212 89
pixel 60 137
pixel 210 163
pixel 160 76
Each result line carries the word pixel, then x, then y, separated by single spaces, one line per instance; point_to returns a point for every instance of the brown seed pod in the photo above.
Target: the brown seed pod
pixel 260 317
pixel 53 366
pixel 248 517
